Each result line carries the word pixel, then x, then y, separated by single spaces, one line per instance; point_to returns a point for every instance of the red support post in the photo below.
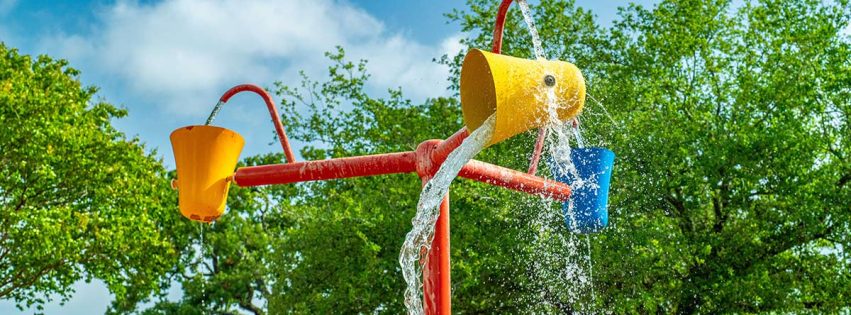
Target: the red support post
pixel 447 146
pixel 539 148
pixel 515 180
pixel 499 25
pixel 395 163
pixel 437 278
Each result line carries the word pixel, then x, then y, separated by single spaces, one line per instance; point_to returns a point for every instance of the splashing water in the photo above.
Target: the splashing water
pixel 418 241
pixel 590 267
pixel 605 111
pixel 569 264
pixel 577 133
pixel 558 261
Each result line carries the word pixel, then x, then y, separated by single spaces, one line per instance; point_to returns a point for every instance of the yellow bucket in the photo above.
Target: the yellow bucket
pixel 205 156
pixel 515 89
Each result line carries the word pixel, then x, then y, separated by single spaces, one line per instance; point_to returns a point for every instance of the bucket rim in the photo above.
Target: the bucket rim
pixel 592 149
pixel 209 127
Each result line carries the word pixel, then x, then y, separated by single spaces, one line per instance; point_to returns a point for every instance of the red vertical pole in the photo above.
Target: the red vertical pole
pixel 437 282
pixel 437 288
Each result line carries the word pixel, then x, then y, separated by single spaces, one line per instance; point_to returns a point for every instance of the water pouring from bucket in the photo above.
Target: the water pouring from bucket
pixel 510 88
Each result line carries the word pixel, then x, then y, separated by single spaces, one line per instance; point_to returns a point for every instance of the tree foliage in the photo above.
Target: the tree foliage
pixel 731 125
pixel 734 129
pixel 78 200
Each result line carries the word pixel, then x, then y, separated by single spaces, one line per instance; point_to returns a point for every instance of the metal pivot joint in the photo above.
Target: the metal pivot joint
pixel 550 80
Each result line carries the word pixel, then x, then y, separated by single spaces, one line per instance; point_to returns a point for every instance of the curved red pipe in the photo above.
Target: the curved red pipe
pixel 499 25
pixel 273 111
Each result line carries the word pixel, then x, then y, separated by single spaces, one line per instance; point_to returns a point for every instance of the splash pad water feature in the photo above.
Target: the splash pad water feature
pixel 500 98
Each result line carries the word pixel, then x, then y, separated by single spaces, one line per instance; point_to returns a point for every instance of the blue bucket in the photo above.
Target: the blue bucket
pixel 594 166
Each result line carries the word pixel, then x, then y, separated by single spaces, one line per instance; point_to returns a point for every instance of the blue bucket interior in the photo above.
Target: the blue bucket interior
pixel 594 166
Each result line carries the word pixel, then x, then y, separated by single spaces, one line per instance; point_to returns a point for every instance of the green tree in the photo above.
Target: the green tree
pixel 78 200
pixel 226 265
pixel 731 125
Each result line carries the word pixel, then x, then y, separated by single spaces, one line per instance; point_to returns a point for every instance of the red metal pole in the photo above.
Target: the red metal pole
pixel 499 25
pixel 395 163
pixel 437 278
pixel 370 165
pixel 442 150
pixel 536 154
pixel 515 180
pixel 273 111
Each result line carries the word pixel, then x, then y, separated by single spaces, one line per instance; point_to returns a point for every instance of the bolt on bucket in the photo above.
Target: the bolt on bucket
pixel 205 156
pixel 590 198
pixel 516 90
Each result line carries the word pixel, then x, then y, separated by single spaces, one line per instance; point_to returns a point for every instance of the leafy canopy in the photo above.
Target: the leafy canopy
pixel 78 200
pixel 731 125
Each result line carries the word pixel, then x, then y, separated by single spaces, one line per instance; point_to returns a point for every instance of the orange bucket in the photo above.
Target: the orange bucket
pixel 205 157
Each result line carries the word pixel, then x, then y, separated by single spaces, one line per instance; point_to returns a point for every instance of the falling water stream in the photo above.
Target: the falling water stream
pixel 418 241
pixel 579 275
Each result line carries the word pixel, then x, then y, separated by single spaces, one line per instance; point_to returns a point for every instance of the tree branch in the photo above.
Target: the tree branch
pixel 684 221
pixel 786 244
pixel 718 204
pixel 844 180
pixel 246 304
pixel 3 244
pixel 251 308
pixel 29 281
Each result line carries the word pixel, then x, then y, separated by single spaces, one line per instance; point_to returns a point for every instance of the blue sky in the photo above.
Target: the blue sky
pixel 167 62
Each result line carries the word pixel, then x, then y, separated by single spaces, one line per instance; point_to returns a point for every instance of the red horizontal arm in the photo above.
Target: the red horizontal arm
pixel 514 180
pixel 394 163
pixel 370 165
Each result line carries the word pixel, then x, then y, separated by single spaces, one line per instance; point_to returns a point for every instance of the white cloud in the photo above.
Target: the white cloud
pixel 174 51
